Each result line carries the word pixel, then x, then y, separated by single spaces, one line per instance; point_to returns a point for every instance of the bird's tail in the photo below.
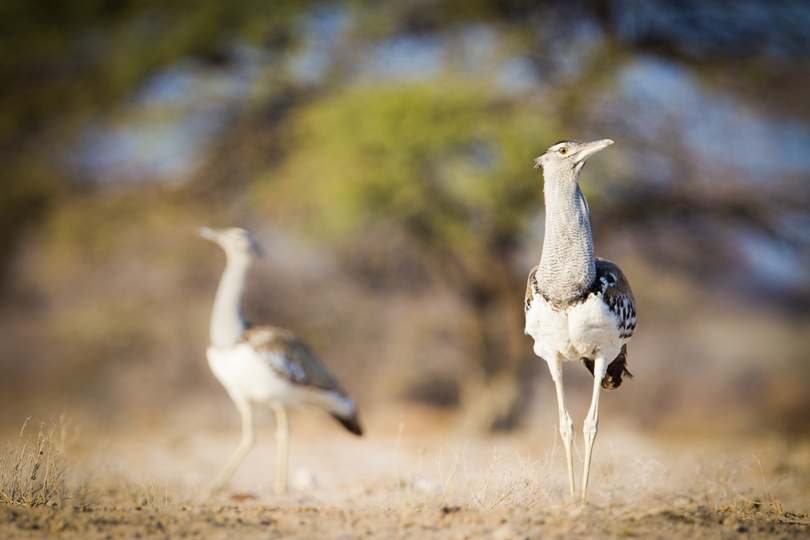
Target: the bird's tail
pixel 341 406
pixel 352 423
pixel 615 371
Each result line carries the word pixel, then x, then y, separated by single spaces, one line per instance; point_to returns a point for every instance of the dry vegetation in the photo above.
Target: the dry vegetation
pixel 434 484
pixel 400 215
pixel 33 469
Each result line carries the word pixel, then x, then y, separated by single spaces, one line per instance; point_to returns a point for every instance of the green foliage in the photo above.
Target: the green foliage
pixel 451 163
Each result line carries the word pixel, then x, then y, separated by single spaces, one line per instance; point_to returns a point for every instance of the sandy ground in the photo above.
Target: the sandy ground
pixel 413 479
pixel 259 521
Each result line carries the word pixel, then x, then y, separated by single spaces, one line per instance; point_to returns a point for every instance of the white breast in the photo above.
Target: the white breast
pixel 248 377
pixel 583 330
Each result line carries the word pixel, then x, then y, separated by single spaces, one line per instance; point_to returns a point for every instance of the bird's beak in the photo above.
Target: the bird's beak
pixel 256 247
pixel 207 233
pixel 591 148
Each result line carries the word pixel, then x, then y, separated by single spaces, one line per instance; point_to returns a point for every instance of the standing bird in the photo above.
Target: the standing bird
pixel 264 364
pixel 577 306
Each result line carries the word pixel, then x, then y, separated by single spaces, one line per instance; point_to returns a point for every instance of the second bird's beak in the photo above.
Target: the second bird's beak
pixel 256 247
pixel 207 233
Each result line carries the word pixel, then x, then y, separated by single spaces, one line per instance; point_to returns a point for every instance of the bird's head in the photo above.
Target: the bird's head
pixel 235 241
pixel 569 155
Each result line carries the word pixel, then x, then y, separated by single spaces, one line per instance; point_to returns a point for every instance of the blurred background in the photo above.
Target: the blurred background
pixel 382 153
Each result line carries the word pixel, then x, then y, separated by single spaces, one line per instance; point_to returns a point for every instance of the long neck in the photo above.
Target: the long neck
pixel 227 324
pixel 567 266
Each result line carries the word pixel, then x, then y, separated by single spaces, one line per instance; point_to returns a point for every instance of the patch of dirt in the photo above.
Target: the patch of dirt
pixel 421 483
pixel 248 522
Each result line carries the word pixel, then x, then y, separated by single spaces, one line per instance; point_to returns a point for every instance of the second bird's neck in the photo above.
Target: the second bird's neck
pixel 227 324
pixel 567 266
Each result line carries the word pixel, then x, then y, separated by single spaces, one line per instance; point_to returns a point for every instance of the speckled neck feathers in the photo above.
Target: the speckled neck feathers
pixel 567 268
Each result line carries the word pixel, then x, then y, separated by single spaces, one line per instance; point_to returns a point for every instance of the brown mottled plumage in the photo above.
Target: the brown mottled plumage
pixel 300 365
pixel 290 357
pixel 531 288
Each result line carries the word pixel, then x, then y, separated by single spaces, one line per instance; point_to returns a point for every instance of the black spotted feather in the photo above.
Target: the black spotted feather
pixel 613 288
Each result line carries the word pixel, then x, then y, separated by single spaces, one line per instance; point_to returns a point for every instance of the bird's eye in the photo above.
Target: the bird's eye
pixel 563 150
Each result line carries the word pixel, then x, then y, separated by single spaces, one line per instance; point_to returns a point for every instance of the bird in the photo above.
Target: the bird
pixel 264 365
pixel 577 306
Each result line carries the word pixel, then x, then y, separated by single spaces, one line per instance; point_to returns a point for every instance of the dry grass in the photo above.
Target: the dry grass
pixel 519 481
pixel 33 471
pixel 633 488
pixel 405 487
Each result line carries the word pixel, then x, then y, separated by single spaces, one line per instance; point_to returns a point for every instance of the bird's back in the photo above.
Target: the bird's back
pixel 290 358
pixel 275 366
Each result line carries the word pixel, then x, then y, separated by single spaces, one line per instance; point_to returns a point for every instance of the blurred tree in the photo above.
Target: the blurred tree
pixel 63 64
pixel 444 162
pixel 448 165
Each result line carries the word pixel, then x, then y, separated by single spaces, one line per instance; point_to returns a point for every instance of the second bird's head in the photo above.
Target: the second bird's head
pixel 569 156
pixel 235 241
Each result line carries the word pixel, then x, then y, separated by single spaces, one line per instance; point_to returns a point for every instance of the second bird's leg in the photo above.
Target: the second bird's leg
pixel 566 424
pixel 592 420
pixel 283 442
pixel 248 437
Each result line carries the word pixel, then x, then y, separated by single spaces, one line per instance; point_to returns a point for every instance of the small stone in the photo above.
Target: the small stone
pixel 731 522
pixel 305 478
pixel 506 532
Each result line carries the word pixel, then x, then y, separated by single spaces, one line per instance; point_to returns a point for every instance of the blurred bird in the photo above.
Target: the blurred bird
pixel 264 364
pixel 577 306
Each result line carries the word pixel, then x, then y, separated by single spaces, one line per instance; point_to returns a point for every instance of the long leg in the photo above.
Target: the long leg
pixel 566 424
pixel 248 438
pixel 283 441
pixel 592 420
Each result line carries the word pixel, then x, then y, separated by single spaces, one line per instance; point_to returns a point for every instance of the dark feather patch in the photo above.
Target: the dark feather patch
pixel 291 358
pixel 351 423
pixel 531 286
pixel 615 371
pixel 611 285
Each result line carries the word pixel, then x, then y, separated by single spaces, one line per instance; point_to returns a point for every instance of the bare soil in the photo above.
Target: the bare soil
pixel 250 521
pixel 423 480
